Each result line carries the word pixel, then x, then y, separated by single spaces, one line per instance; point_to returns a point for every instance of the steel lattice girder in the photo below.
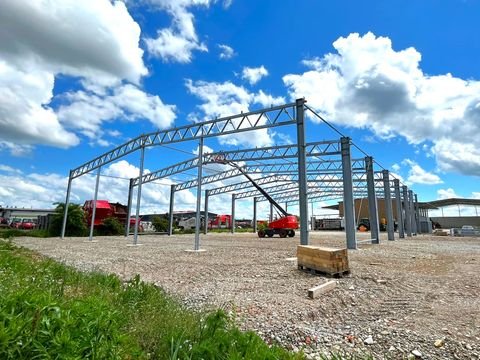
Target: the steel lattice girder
pixel 279 195
pixel 247 184
pixel 275 168
pixel 266 118
pixel 320 148
pixel 270 153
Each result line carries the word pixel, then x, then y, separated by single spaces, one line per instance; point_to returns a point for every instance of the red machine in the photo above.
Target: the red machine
pixel 285 225
pixel 105 210
pixel 221 222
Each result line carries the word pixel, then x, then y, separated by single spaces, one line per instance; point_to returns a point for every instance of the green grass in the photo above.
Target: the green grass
pixel 48 310
pixel 9 233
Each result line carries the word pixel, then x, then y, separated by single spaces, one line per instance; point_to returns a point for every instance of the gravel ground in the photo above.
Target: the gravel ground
pixel 414 298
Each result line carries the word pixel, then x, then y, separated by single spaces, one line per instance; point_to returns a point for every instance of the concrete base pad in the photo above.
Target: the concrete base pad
pixel 90 241
pixel 134 245
pixel 195 251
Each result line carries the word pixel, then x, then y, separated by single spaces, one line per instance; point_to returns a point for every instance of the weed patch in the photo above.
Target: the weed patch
pixel 48 310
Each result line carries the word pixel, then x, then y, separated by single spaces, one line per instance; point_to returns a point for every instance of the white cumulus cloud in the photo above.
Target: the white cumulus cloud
pixel 96 41
pixel 418 175
pixel 446 194
pixel 368 84
pixel 226 52
pixel 86 111
pixel 178 42
pixel 223 99
pixel 254 75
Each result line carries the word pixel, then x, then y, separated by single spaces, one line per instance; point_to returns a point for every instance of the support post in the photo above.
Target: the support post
pixel 348 207
pixel 139 196
pixel 255 215
pixel 198 218
pixel 372 201
pixel 271 213
pixel 233 214
pixel 205 227
pixel 129 208
pixel 170 210
pixel 302 172
pixel 412 213
pixel 95 197
pixel 408 217
pixel 388 204
pixel 398 202
pixel 417 214
pixel 67 202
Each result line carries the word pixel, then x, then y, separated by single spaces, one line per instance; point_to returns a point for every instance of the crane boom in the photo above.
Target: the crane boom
pixel 263 192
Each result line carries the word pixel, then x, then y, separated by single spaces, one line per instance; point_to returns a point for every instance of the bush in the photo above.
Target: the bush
pixel 76 225
pixel 111 226
pixel 160 224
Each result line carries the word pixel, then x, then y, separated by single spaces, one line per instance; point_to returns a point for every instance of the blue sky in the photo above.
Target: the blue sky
pixel 78 78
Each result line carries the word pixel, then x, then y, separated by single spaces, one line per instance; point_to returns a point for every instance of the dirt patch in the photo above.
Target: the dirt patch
pixel 428 290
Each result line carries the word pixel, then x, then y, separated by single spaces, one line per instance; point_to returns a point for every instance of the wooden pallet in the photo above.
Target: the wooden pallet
pixel 339 274
pixel 323 260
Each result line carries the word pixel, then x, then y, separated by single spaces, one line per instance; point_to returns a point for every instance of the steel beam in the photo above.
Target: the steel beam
pixel 232 222
pixel 348 205
pixel 372 202
pixel 170 214
pixel 261 119
pixel 388 205
pixel 398 202
pixel 67 203
pixel 207 195
pixel 417 214
pixel 412 213
pixel 254 215
pixel 139 197
pixel 302 171
pixel 198 218
pixel 129 207
pixel 95 197
pixel 408 216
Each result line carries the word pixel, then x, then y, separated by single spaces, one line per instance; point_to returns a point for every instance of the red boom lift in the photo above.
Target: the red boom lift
pixel 285 225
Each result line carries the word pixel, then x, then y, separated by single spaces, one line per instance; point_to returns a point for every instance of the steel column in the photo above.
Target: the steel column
pixel 302 172
pixel 205 227
pixel 271 213
pixel 388 204
pixel 170 214
pixel 412 212
pixel 198 218
pixel 233 215
pixel 417 214
pixel 372 201
pixel 129 207
pixel 408 217
pixel 254 215
pixel 95 197
pixel 67 202
pixel 139 196
pixel 398 202
pixel 348 206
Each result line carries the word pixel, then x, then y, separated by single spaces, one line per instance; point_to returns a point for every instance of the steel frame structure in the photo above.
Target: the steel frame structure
pixel 313 176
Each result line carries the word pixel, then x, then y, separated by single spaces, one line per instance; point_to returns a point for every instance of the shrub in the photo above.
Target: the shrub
pixel 110 226
pixel 160 224
pixel 76 225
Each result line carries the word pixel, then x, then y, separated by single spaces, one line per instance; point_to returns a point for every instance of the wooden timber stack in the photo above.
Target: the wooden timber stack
pixel 330 261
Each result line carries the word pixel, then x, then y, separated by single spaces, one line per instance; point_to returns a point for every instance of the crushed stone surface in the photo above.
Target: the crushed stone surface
pixel 413 298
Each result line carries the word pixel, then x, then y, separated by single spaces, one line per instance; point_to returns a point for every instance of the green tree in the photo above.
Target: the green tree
pixel 160 224
pixel 76 224
pixel 111 226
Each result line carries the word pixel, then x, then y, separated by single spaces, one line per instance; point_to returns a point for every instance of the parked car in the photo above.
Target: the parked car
pixel 467 230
